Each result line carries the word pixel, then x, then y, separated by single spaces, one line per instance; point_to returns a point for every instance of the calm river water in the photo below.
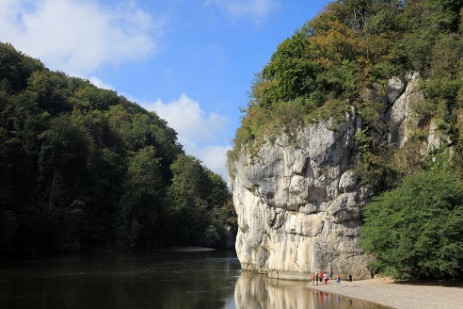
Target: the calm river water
pixel 158 280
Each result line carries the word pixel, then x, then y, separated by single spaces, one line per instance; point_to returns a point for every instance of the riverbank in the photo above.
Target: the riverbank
pixel 398 295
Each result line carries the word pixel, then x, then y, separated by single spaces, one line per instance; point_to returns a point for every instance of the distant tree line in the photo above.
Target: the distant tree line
pixel 82 168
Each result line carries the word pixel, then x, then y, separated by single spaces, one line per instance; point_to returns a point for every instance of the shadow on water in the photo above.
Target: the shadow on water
pixel 160 280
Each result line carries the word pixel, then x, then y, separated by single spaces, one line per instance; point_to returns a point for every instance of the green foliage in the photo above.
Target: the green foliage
pixel 335 109
pixel 82 168
pixel 8 226
pixel 264 122
pixel 199 199
pixel 412 51
pixel 445 55
pixel 350 46
pixel 15 68
pixel 416 230
pixel 140 208
pixel 445 14
pixel 290 74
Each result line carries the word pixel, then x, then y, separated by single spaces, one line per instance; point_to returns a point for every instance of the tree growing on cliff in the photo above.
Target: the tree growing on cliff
pixel 416 230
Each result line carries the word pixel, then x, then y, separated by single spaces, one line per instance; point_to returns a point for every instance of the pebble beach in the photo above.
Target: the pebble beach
pixel 389 293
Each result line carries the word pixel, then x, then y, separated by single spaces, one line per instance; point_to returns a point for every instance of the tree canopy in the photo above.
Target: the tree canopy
pixel 82 168
pixel 416 230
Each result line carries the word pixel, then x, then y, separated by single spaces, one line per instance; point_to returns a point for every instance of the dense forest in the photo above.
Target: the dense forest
pixel 415 229
pixel 82 168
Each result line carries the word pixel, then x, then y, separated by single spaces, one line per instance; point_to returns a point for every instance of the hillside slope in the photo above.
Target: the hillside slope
pixel 82 168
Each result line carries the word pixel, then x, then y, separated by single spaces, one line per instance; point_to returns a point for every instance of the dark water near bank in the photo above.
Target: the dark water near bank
pixel 159 280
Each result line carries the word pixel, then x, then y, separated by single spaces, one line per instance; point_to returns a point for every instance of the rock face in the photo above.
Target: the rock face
pixel 299 204
pixel 298 200
pixel 399 115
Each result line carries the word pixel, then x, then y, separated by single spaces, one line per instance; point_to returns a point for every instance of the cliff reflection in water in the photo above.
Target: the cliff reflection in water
pixel 258 291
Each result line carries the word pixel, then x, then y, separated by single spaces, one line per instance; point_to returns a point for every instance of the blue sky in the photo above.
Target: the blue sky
pixel 191 61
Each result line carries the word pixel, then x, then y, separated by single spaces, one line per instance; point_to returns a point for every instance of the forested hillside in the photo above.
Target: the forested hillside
pixel 342 61
pixel 83 168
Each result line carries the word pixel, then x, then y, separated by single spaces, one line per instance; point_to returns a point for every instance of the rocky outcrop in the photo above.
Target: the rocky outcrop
pixel 399 115
pixel 298 199
pixel 299 203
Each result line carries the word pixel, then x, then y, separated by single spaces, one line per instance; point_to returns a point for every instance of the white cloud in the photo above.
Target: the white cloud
pixel 99 83
pixel 78 36
pixel 189 120
pixel 197 131
pixel 257 10
pixel 215 158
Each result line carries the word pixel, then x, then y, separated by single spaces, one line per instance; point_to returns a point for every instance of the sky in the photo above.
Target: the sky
pixel 192 62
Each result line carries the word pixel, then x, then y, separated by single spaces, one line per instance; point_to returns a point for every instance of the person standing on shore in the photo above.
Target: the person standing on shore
pixel 338 279
pixel 320 277
pixel 313 278
pixel 316 278
pixel 350 279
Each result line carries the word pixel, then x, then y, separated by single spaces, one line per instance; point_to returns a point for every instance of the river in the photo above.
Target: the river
pixel 163 279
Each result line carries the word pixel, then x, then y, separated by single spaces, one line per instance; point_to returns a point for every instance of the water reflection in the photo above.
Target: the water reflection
pixel 162 280
pixel 256 291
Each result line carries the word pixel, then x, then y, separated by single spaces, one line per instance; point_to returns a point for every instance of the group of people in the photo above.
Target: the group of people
pixel 322 277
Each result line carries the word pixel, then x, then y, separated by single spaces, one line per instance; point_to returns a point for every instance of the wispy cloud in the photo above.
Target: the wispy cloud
pixel 256 10
pixel 197 130
pixel 78 36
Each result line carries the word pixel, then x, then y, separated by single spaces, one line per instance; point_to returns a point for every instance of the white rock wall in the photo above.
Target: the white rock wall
pixel 299 202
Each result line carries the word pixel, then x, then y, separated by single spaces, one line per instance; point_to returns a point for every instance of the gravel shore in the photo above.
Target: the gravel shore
pixel 398 295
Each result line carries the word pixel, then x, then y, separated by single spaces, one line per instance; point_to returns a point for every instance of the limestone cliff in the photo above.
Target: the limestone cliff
pixel 298 199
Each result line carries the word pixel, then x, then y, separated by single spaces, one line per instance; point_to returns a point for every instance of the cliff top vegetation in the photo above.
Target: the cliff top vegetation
pixel 352 45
